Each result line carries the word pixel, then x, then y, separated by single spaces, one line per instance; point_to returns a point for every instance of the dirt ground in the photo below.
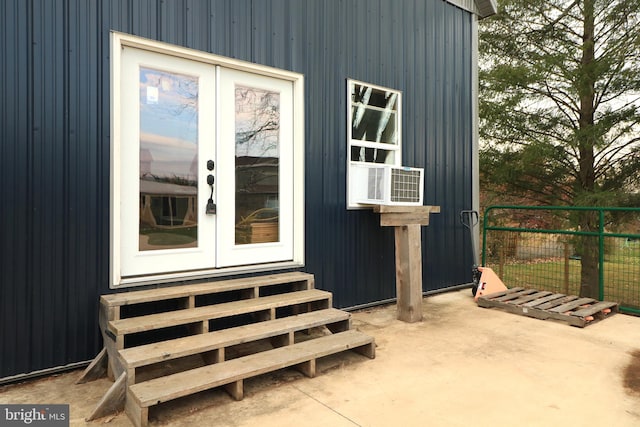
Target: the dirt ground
pixel 462 365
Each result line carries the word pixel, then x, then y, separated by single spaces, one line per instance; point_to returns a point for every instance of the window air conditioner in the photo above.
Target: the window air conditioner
pixel 380 184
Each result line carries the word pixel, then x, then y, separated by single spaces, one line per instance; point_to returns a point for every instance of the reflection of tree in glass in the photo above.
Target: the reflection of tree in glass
pixel 178 95
pixel 257 131
pixel 257 122
pixel 173 179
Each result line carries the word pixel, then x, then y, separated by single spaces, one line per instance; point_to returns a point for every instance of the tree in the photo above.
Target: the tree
pixel 559 107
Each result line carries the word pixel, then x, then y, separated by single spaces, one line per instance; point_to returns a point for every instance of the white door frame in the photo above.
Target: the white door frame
pixel 117 279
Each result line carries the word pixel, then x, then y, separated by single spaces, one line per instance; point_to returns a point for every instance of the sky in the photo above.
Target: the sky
pixel 169 122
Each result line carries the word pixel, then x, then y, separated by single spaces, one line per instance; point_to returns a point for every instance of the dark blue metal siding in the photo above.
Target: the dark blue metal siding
pixel 423 49
pixel 14 127
pixel 54 152
pixel 54 199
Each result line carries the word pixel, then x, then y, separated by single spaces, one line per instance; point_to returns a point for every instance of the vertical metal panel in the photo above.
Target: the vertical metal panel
pixel 45 169
pixel 145 17
pixel 86 192
pixel 14 152
pixel 54 153
pixel 197 23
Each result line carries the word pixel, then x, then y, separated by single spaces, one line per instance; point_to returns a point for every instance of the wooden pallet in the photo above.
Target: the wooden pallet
pixel 571 309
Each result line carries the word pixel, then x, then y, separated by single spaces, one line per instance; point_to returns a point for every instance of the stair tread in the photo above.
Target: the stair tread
pixel 159 294
pixel 184 383
pixel 171 349
pixel 191 315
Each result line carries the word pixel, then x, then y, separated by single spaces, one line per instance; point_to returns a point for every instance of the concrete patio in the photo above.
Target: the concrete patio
pixel 462 365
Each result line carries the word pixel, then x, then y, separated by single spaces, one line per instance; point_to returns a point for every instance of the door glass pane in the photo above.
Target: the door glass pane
pixel 168 160
pixel 257 133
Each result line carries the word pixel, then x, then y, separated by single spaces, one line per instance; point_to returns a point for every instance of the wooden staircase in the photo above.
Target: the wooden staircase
pixel 233 329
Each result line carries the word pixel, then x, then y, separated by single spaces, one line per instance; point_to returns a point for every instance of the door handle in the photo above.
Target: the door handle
pixel 211 207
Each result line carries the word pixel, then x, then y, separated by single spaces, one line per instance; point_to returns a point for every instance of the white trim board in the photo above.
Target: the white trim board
pixel 482 8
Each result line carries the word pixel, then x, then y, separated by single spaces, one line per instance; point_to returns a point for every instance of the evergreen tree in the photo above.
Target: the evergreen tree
pixel 560 107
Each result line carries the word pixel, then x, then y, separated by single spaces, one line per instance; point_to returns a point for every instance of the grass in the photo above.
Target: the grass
pixel 621 274
pixel 171 236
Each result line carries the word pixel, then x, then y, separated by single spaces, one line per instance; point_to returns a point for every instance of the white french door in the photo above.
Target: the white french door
pixel 167 137
pixel 192 135
pixel 255 152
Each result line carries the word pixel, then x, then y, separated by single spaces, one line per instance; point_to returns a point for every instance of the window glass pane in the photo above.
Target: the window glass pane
pixel 374 114
pixel 257 134
pixel 372 155
pixel 168 160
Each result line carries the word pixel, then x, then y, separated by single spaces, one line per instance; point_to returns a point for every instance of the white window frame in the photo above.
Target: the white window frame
pixel 396 148
pixel 121 40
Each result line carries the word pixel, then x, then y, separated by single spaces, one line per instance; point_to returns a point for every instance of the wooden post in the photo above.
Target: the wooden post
pixel 407 221
pixel 409 272
pixel 566 268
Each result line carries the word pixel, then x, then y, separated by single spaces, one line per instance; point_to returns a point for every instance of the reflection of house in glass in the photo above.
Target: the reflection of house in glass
pixel 167 205
pixel 256 199
pixel 166 202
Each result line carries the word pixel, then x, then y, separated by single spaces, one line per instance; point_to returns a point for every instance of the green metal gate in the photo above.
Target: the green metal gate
pixel 540 247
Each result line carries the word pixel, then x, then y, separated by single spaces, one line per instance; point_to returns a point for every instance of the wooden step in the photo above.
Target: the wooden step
pixel 231 373
pixel 262 308
pixel 122 327
pixel 135 357
pixel 112 302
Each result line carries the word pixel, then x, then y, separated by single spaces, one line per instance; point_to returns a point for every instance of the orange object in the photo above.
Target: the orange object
pixel 490 283
pixel 606 311
pixel 588 318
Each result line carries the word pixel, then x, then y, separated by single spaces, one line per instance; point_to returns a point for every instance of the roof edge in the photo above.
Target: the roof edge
pixel 482 8
pixel 486 8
